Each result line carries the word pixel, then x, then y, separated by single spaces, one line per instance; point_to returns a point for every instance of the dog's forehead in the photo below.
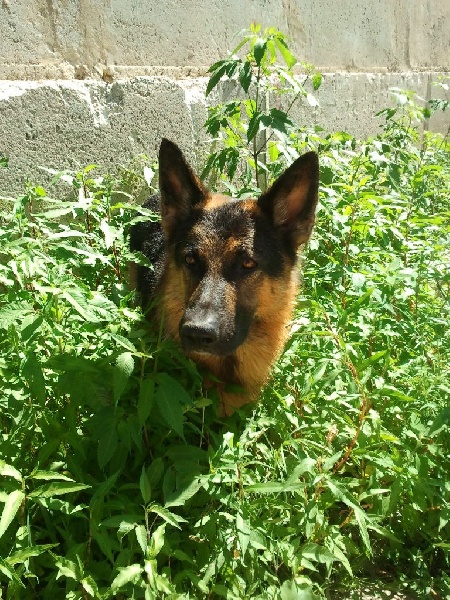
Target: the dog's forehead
pixel 227 219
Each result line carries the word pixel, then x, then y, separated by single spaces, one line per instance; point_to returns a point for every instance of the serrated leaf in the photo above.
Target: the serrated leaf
pixel 316 553
pixel 49 476
pixel 79 302
pixel 142 537
pixel 9 471
pixel 280 121
pixel 22 555
pixel 124 342
pixel 156 541
pixel 291 591
pixel 57 489
pixel 67 568
pixel 9 572
pixel 287 55
pixel 12 505
pixel 55 213
pixel 126 575
pixel 215 78
pixel 67 233
pixel 165 514
pixel 90 586
pixel 181 495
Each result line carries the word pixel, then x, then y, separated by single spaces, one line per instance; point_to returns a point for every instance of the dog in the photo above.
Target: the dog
pixel 224 276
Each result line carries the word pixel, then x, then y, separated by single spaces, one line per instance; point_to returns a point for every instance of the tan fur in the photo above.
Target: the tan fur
pixel 255 357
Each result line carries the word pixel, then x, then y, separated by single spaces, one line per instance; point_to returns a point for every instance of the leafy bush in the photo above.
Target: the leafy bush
pixel 118 480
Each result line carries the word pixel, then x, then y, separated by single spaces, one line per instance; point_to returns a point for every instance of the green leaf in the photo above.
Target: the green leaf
pixel 110 233
pixel 245 75
pixel 290 590
pixel 9 471
pixel 170 397
pixel 10 573
pixel 184 493
pixel 441 421
pixel 287 55
pixel 49 476
pixel 146 397
pixel 142 537
pixel 316 553
pixel 67 568
pixel 243 533
pixel 156 541
pixel 274 487
pixel 362 520
pixel 107 443
pixel 90 586
pixel 32 372
pixel 57 489
pixel 253 126
pixel 216 77
pixel 259 50
pixel 124 342
pixel 22 555
pixel 80 303
pixel 280 121
pixel 130 574
pixel 122 371
pixel 171 518
pixel 317 80
pixel 144 486
pixel 12 505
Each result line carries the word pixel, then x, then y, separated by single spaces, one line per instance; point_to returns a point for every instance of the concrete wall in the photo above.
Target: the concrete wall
pixel 86 81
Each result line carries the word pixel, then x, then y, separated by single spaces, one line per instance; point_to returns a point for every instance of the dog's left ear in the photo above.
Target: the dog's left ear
pixel 291 200
pixel 180 187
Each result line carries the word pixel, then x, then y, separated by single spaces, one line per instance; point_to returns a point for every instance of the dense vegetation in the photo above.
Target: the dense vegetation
pixel 117 479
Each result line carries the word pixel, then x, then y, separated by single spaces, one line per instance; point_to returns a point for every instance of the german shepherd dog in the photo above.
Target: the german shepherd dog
pixel 224 275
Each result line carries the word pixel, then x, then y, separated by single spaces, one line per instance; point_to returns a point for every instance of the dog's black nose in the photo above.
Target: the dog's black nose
pixel 198 336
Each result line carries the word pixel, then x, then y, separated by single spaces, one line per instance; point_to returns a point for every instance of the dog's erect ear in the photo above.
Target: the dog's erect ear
pixel 180 188
pixel 291 200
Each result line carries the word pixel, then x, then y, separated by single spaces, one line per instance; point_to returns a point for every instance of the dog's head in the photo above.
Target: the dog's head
pixel 233 255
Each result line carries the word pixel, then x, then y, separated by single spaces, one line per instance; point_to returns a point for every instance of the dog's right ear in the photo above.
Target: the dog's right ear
pixel 180 187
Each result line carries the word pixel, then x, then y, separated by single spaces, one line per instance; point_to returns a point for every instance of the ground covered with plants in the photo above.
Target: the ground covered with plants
pixel 118 480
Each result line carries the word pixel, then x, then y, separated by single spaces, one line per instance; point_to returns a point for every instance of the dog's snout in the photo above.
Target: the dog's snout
pixel 199 335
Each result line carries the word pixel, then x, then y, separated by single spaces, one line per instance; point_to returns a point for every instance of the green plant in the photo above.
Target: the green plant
pixel 252 130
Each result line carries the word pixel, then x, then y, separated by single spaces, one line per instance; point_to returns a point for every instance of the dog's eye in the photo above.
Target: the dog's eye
pixel 190 260
pixel 249 263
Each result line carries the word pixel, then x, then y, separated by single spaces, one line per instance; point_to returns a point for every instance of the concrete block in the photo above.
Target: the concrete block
pixel 70 124
pixel 82 38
